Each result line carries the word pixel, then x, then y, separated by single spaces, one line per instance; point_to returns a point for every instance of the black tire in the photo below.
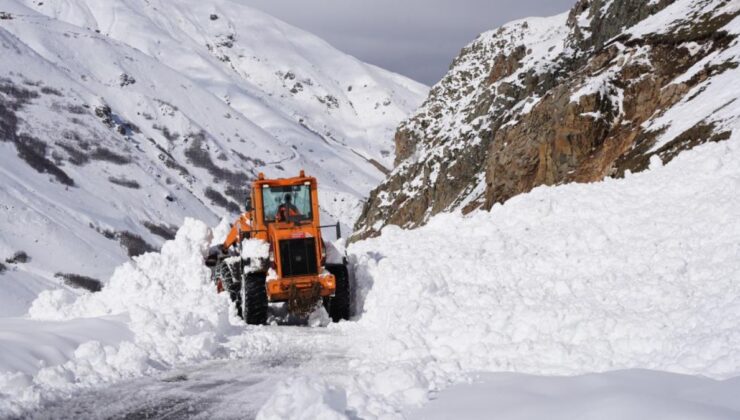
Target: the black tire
pixel 256 304
pixel 339 306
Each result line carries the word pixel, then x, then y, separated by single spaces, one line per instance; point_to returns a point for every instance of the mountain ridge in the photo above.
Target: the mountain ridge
pixel 578 97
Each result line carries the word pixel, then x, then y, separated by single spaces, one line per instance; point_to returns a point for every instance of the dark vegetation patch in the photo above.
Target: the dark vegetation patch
pixel 126 80
pixel 76 137
pixel 6 16
pixel 330 101
pixel 169 160
pixel 33 152
pixel 124 182
pixel 163 231
pixel 19 96
pixel 228 41
pixel 3 268
pixel 254 161
pixel 134 244
pixel 8 121
pixel 101 153
pixel 167 108
pixel 218 199
pixel 200 157
pixel 126 128
pixel 77 109
pixel 46 90
pixel 238 194
pixel 74 156
pixel 19 257
pixel 80 282
pixel 170 136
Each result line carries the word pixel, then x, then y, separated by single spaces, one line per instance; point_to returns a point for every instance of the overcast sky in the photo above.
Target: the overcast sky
pixel 417 38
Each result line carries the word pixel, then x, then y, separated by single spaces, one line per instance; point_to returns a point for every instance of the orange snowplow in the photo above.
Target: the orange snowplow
pixel 283 213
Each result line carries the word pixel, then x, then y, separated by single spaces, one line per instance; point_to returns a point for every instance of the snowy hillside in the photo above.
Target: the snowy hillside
pixel 118 119
pixel 593 93
pixel 636 273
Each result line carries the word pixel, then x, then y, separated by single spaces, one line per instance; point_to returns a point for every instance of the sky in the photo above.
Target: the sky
pixel 417 38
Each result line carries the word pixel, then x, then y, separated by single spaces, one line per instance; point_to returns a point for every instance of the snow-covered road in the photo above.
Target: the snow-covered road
pixel 239 389
pixel 234 389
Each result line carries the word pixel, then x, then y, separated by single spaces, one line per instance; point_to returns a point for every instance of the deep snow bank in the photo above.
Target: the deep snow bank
pixel 635 273
pixel 167 313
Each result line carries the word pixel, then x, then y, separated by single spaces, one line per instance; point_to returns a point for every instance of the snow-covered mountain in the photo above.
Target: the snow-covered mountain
pixel 597 92
pixel 120 118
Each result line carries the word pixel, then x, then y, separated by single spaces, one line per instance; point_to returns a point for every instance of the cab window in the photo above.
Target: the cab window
pixel 294 200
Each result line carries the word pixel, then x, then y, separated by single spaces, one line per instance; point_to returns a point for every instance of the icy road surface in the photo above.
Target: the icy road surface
pixel 224 390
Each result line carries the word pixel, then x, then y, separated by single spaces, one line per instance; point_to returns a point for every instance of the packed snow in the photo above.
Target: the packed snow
pixel 611 396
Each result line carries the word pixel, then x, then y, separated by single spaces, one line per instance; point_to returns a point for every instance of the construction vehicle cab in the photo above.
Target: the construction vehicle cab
pixel 285 214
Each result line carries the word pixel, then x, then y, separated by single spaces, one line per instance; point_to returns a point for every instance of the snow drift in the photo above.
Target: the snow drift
pixel 634 273
pixel 171 312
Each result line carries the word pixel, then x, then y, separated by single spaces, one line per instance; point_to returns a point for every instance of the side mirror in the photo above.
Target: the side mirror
pixel 248 204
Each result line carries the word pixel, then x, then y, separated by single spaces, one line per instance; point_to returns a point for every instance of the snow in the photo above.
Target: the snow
pixel 580 278
pixel 638 273
pixel 580 281
pixel 305 398
pixel 613 396
pixel 255 248
pixel 669 18
pixel 713 102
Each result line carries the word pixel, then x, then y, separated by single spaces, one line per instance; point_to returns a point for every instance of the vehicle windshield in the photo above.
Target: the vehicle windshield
pixel 292 203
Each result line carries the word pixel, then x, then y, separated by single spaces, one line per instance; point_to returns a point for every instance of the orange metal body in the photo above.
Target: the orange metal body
pixel 252 225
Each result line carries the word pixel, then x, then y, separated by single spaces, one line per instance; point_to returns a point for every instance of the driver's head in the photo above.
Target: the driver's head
pixel 288 198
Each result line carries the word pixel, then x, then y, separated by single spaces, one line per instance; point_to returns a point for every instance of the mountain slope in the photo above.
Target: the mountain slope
pixel 593 93
pixel 117 120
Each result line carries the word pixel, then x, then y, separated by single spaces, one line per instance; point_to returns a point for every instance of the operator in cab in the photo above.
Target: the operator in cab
pixel 287 210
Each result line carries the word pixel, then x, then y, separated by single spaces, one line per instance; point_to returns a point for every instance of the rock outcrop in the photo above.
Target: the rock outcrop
pixel 593 93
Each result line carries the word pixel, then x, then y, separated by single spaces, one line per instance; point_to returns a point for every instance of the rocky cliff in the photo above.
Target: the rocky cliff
pixel 601 91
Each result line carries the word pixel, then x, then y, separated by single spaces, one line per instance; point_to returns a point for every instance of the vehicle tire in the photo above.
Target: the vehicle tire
pixel 256 295
pixel 230 275
pixel 339 305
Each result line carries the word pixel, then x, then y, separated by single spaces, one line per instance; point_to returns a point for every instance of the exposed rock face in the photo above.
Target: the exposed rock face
pixel 578 97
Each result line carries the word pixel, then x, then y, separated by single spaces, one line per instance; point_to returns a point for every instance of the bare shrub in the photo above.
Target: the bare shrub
pixel 163 231
pixel 123 182
pixel 19 257
pixel 135 245
pixel 218 199
pixel 80 282
pixel 33 152
pixel 101 153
